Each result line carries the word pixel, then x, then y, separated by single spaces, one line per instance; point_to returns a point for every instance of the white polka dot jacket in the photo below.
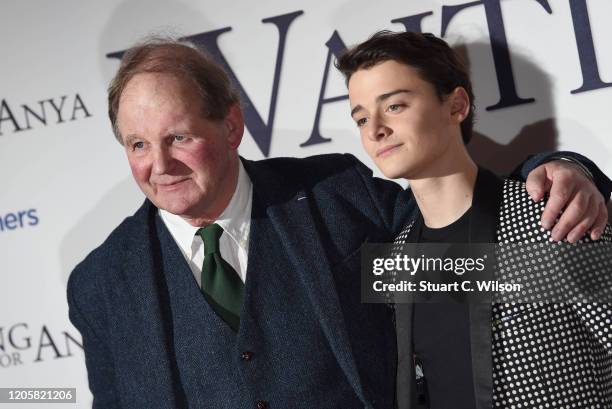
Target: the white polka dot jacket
pixel 525 355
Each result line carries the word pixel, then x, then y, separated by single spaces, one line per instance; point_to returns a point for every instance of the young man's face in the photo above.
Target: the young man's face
pixel 404 126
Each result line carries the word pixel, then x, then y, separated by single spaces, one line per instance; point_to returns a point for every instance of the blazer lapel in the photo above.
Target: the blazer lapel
pixel 406 376
pixel 405 385
pixel 486 204
pixel 483 225
pixel 287 208
pixel 143 264
pixel 150 300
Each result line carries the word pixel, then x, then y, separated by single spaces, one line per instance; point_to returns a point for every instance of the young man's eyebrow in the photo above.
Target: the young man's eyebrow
pixel 380 98
pixel 386 95
pixel 356 109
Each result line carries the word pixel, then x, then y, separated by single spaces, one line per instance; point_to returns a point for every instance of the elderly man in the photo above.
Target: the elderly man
pixel 236 284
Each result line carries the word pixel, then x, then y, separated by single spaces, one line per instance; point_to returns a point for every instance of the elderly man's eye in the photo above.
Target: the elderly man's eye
pixel 179 138
pixel 138 145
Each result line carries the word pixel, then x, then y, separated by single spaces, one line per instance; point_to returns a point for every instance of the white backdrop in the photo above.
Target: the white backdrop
pixel 65 183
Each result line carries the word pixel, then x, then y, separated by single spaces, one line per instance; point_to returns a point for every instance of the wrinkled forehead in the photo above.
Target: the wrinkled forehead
pixel 156 101
pixel 144 86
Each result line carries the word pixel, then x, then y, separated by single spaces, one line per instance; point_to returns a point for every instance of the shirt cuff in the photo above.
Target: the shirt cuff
pixel 576 162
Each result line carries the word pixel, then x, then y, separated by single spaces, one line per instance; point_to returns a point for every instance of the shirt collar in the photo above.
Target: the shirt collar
pixel 235 219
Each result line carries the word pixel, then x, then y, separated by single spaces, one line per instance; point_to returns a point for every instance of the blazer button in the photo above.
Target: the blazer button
pixel 246 355
pixel 261 404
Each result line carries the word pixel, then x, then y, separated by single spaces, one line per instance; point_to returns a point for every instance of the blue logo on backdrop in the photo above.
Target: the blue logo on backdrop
pixel 261 130
pixel 18 220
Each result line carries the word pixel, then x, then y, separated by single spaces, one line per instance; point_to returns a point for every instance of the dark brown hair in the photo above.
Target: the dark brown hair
pixel 179 59
pixel 435 61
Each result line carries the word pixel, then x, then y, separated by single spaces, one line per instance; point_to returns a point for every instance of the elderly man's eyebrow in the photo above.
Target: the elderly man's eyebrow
pixel 130 138
pixel 381 98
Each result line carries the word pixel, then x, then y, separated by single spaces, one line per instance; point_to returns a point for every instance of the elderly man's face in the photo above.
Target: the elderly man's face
pixel 183 163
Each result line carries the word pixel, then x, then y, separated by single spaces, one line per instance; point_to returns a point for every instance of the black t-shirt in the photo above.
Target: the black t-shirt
pixel 441 336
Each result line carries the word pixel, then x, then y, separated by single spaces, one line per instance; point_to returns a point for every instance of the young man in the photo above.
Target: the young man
pixel 412 101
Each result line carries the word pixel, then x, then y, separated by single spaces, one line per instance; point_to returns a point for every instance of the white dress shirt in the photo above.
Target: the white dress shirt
pixel 236 223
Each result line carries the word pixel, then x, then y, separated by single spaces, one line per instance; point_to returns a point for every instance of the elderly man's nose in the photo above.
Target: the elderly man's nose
pixel 161 160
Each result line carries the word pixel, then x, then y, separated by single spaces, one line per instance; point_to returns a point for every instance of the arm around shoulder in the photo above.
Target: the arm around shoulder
pixel 601 181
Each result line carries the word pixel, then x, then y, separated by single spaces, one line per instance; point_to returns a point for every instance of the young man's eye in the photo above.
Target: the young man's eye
pixel 394 107
pixel 361 122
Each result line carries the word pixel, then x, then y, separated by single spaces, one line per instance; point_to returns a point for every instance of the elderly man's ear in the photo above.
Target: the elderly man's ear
pixel 234 123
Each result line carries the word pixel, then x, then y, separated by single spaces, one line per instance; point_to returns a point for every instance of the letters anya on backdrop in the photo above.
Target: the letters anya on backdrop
pixel 57 110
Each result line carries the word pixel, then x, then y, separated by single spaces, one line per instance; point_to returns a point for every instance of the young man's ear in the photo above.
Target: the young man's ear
pixel 460 104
